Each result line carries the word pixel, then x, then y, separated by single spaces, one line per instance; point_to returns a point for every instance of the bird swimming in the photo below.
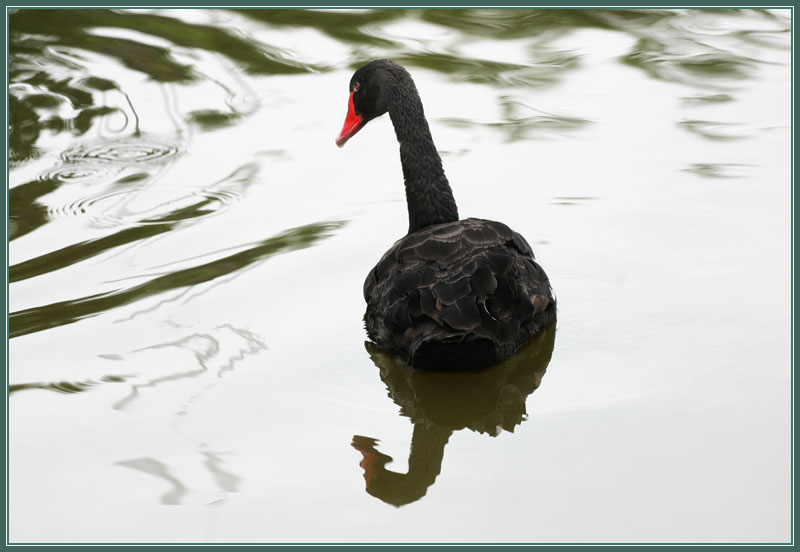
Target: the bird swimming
pixel 452 294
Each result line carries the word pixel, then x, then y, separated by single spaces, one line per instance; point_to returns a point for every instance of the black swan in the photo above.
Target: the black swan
pixel 452 294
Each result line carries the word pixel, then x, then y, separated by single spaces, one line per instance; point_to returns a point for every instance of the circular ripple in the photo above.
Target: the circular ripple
pixel 146 205
pixel 79 174
pixel 124 152
pixel 97 204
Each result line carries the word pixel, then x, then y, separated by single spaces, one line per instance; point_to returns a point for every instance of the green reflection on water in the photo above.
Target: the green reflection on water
pixel 504 24
pixel 711 130
pixel 25 212
pixel 74 28
pixel 77 252
pixel 438 403
pixel 24 130
pixel 36 35
pixel 67 387
pixel 341 25
pixel 67 312
pixel 666 47
pixel 30 214
pixel 210 119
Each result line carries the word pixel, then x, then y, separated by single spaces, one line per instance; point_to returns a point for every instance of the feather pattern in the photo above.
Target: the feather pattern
pixel 471 282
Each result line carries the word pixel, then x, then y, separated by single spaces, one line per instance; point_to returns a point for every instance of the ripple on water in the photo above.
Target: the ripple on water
pixel 717 131
pixel 720 170
pixel 80 174
pixel 123 152
pixel 142 205
pixel 136 200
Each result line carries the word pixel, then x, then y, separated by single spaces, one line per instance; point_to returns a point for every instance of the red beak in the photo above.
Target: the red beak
pixel 352 123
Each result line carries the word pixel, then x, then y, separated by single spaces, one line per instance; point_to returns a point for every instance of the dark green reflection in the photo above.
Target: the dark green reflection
pixel 439 403
pixel 211 119
pixel 24 211
pixel 30 114
pixel 71 27
pixel 507 24
pixel 67 312
pixel 35 34
pixel 67 256
pixel 468 69
pixel 669 45
pixel 711 130
pixel 704 66
pixel 349 27
pixel 23 130
pixel 67 387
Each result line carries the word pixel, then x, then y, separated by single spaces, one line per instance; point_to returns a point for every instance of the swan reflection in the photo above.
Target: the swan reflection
pixel 487 401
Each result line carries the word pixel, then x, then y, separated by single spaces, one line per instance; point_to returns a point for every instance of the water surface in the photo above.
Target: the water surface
pixel 187 249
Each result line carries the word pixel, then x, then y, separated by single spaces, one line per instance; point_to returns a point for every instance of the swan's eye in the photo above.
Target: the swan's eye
pixel 356 86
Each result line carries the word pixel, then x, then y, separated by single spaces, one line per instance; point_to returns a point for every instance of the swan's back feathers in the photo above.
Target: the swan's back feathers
pixel 464 293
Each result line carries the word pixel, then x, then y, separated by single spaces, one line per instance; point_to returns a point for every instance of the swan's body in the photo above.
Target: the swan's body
pixel 451 294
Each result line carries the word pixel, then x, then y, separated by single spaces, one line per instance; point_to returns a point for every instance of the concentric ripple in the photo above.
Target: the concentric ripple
pixel 79 174
pixel 122 152
pixel 144 205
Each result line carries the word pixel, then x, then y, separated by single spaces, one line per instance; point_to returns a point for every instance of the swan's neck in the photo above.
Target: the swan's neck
pixel 430 199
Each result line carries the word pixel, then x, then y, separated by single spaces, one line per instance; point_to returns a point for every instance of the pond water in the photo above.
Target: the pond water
pixel 187 249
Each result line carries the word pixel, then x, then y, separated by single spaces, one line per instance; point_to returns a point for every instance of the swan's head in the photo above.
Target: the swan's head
pixel 370 89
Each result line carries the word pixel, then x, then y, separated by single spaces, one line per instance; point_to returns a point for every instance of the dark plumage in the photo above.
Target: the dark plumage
pixel 452 294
